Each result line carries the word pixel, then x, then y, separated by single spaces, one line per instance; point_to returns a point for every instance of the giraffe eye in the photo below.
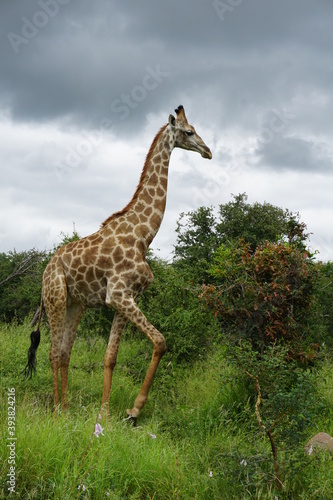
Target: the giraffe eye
pixel 189 132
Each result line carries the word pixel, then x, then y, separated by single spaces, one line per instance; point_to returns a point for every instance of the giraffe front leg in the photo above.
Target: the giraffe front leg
pixel 54 361
pixel 124 303
pixel 110 358
pixel 64 385
pixel 158 351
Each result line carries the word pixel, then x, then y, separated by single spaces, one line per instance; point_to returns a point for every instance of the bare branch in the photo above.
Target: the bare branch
pixel 22 268
pixel 267 431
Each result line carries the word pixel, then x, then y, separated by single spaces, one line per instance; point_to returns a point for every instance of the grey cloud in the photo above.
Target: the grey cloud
pixel 117 68
pixel 293 153
pixel 91 54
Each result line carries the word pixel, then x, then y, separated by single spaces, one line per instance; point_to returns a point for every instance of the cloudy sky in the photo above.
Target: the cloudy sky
pixel 86 84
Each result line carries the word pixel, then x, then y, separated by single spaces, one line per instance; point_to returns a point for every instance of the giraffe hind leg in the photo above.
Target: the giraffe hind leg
pixel 56 315
pixel 63 333
pixel 72 319
pixel 63 320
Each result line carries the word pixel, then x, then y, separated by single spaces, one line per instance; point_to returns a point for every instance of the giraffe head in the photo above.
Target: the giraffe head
pixel 186 136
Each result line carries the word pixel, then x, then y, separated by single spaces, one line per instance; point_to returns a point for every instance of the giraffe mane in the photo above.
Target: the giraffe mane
pixel 142 178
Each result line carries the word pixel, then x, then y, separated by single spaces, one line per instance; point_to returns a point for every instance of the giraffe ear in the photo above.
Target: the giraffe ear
pixel 172 120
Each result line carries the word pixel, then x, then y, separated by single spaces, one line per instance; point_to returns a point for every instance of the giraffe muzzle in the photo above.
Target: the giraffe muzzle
pixel 207 154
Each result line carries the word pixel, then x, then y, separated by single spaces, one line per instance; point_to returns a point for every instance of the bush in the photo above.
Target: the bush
pixel 263 296
pixel 263 300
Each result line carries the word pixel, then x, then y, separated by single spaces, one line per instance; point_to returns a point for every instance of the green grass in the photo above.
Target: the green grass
pixel 202 417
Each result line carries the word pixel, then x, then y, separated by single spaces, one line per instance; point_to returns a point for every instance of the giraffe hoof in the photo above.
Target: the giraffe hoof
pixel 131 419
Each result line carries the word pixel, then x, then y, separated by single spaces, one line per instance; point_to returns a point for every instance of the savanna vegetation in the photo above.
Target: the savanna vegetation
pixel 246 311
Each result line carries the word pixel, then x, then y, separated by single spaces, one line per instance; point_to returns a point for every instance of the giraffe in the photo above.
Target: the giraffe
pixel 109 268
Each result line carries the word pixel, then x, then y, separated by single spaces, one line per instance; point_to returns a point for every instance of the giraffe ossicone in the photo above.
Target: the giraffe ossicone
pixel 109 268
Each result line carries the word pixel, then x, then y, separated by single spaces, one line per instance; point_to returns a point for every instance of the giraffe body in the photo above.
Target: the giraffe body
pixel 109 268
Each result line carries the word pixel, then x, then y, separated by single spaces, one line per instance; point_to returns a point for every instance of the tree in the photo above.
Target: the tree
pixel 22 266
pixel 20 276
pixel 201 232
pixel 254 223
pixel 197 240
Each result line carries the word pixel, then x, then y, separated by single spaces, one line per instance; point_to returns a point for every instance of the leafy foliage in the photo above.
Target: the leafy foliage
pixel 201 232
pixel 197 241
pixel 254 223
pixel 171 304
pixel 265 295
pixel 322 322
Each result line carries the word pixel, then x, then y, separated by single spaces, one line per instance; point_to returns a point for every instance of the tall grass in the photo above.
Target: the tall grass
pixel 197 437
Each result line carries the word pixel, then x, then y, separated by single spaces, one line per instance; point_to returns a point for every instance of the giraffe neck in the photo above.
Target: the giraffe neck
pixel 150 198
pixel 147 207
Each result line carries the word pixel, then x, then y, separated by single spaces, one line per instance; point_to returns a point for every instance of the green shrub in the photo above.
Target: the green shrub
pixel 263 296
pixel 263 299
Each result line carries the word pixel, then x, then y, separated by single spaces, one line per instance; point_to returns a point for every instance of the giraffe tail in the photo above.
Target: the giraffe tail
pixel 35 339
